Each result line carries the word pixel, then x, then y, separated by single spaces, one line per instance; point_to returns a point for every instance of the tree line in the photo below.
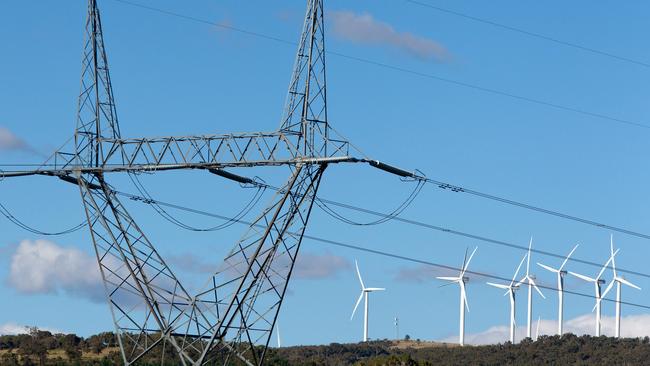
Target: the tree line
pixel 42 348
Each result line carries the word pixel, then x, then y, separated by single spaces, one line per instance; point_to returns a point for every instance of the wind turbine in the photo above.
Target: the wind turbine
pixel 530 279
pixel 364 294
pixel 461 280
pixel 277 332
pixel 619 280
pixel 560 287
pixel 598 282
pixel 511 288
pixel 537 329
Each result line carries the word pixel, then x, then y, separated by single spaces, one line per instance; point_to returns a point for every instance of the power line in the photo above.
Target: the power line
pixel 482 274
pixel 419 177
pixel 399 219
pixel 529 33
pixel 13 219
pixel 150 201
pixel 383 217
pixel 476 237
pixel 459 189
pixel 374 251
pixel 399 68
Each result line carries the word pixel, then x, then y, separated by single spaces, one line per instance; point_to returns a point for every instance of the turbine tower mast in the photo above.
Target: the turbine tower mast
pixel 462 280
pixel 365 291
pixel 619 280
pixel 530 280
pixel 560 287
pixel 510 291
pixel 598 282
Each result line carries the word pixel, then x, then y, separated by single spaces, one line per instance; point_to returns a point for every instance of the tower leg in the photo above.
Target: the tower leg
pixel 242 298
pixel 143 293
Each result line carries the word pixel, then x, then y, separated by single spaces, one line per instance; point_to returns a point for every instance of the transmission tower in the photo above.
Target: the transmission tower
pixel 231 319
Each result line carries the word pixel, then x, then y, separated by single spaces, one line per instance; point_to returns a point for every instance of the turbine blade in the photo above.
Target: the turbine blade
pixel 448 278
pixel 606 264
pixel 464 261
pixel 583 277
pixel 568 256
pixel 356 305
pixel 371 289
pixel 498 285
pixel 611 250
pixel 469 260
pixel 359 274
pixel 548 268
pixel 518 268
pixel 537 288
pixel 594 308
pixel 626 282
pixel 522 280
pixel 530 246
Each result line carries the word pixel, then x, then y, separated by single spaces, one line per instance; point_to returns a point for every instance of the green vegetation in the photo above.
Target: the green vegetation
pixel 44 349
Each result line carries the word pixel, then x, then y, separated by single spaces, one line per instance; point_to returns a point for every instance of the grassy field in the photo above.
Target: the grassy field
pixel 60 354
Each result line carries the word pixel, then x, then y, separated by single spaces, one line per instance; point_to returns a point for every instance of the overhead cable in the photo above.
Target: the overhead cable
pixel 399 68
pixel 529 33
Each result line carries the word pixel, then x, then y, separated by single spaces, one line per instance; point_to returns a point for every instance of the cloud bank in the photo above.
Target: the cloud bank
pixel 317 266
pixel 425 273
pixel 10 142
pixel 14 329
pixel 308 265
pixel 364 29
pixel 632 326
pixel 43 267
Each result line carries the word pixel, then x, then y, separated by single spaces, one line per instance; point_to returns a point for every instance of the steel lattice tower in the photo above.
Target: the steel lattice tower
pixel 231 319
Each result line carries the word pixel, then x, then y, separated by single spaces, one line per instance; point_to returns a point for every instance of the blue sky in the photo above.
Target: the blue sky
pixel 177 77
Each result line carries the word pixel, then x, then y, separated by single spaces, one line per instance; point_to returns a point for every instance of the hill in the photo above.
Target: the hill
pixel 44 348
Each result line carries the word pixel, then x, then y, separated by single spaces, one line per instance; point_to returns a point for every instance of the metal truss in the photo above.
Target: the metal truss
pixel 231 319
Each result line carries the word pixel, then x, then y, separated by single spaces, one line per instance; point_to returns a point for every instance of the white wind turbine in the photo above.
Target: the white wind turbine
pixel 462 280
pixel 619 280
pixel 598 282
pixel 560 287
pixel 364 294
pixel 511 288
pixel 530 279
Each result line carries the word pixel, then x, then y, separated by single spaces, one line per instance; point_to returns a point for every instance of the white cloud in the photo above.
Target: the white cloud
pixel 13 329
pixel 632 326
pixel 40 267
pixel 365 29
pixel 9 141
